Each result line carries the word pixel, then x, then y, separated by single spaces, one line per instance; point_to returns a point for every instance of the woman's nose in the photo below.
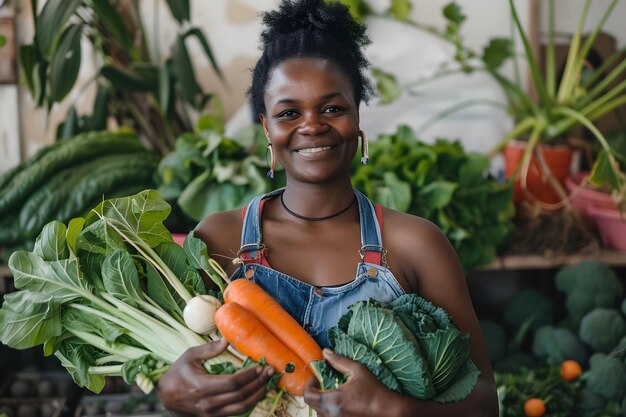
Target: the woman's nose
pixel 312 124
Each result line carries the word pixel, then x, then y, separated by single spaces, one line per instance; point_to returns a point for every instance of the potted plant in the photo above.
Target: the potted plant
pixel 136 86
pixel 543 124
pixel 573 101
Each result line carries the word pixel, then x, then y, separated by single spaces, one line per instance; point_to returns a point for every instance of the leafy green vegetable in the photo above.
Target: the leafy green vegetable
pixel 101 296
pixel 208 172
pixel 349 347
pixel 530 303
pixel 607 377
pixel 411 346
pixel 588 285
pixel 602 329
pixel 556 345
pixel 442 183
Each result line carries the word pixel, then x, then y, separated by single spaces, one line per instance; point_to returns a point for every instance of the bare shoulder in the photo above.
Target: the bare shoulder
pixel 421 253
pixel 221 232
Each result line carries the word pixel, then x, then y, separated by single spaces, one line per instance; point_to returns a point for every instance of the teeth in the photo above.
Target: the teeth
pixel 314 150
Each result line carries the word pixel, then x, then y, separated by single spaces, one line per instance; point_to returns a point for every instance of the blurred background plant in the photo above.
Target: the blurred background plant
pixel 136 87
pixel 556 106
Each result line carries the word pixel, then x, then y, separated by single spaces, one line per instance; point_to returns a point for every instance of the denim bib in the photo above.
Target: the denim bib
pixel 317 309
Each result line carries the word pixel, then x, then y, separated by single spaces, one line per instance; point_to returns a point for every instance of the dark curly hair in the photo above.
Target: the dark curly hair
pixel 311 28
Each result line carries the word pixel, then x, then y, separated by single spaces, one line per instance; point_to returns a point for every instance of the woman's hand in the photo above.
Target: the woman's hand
pixel 361 395
pixel 186 388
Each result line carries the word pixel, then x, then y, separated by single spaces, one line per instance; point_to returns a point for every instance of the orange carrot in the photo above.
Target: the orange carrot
pixel 250 337
pixel 254 299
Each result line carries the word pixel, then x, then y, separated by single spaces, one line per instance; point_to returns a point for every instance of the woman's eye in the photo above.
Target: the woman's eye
pixel 287 114
pixel 332 109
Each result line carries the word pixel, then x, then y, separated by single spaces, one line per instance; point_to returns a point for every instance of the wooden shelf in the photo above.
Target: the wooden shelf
pixel 520 262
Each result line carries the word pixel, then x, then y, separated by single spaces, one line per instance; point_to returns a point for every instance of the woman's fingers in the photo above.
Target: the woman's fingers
pixel 241 393
pixel 203 352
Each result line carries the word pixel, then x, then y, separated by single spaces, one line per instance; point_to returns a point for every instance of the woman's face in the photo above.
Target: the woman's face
pixel 311 119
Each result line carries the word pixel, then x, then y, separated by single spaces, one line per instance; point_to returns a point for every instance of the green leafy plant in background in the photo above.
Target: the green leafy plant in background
pixel 590 328
pixel 135 86
pixel 565 103
pixel 442 183
pixel 3 41
pixel 208 172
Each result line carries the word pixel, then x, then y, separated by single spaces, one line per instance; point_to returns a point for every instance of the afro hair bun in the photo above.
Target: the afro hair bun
pixel 313 15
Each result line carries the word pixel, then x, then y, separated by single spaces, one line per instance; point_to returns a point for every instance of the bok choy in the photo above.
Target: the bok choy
pixel 105 294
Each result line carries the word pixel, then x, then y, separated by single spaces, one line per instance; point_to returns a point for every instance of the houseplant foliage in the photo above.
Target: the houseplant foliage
pixel 137 88
pixel 444 184
pixel 572 100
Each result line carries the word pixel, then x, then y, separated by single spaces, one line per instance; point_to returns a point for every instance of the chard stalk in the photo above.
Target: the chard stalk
pixel 110 370
pixel 148 253
pixel 192 337
pixel 129 352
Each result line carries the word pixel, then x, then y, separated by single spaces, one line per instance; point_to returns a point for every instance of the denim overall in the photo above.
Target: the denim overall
pixel 318 309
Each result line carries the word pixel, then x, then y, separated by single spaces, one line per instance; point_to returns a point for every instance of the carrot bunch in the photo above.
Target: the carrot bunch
pixel 258 327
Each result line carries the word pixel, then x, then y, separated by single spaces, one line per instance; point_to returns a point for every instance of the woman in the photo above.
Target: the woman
pixel 302 244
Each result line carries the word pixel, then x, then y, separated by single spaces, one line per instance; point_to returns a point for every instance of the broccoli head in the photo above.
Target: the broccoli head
pixel 556 345
pixel 607 377
pixel 588 285
pixel 602 329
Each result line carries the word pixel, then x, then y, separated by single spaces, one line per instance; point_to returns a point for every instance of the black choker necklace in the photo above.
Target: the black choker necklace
pixel 316 219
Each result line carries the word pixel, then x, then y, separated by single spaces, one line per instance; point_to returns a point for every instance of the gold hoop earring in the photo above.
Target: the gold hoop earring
pixel 270 173
pixel 364 151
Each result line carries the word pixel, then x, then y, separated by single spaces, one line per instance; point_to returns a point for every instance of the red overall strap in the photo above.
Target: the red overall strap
pixel 261 256
pixel 373 256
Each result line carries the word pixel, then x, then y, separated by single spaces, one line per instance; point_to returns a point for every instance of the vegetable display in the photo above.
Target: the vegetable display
pixel 104 292
pixel 208 172
pixel 68 178
pixel 444 184
pixel 572 358
pixel 411 346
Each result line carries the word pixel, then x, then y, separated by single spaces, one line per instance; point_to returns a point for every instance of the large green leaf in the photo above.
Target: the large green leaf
pixel 51 21
pixel 349 347
pixel 62 279
pixel 443 345
pixel 204 43
pixel 395 194
pixel 182 68
pixel 51 244
pixel 141 214
pixel 77 356
pixel 162 294
pixel 65 63
pixel 179 9
pixel 463 383
pixel 383 332
pixel 124 79
pixel 94 243
pixel 112 21
pixel 90 323
pixel 120 277
pixel 29 319
pixel 437 194
pixel 29 56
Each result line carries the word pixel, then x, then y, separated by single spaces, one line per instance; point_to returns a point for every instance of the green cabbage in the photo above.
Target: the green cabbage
pixel 411 346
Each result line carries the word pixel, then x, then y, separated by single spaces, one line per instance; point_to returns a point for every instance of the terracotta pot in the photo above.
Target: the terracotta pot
pixel 558 158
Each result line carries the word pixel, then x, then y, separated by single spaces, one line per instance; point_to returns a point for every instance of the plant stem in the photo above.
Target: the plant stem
pixel 568 80
pixel 550 57
pixel 110 370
